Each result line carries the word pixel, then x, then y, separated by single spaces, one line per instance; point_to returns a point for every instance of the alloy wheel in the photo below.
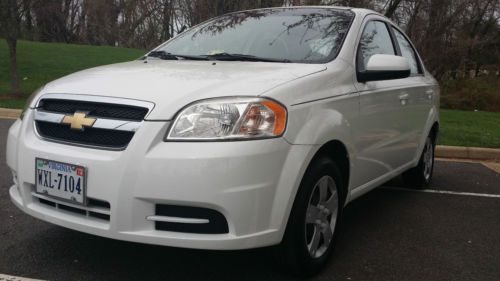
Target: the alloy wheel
pixel 321 216
pixel 428 159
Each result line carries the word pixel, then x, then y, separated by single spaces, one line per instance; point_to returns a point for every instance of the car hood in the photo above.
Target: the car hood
pixel 171 85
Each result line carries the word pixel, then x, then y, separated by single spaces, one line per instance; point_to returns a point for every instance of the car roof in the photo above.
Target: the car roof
pixel 358 11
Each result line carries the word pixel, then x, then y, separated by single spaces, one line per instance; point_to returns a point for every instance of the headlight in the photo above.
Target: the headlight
pixel 229 119
pixel 29 101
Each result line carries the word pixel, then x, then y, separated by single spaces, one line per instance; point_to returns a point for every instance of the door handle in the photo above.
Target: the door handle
pixel 430 94
pixel 403 98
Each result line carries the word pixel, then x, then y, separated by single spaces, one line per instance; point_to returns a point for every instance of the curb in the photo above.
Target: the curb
pixel 472 153
pixel 10 113
pixel 442 151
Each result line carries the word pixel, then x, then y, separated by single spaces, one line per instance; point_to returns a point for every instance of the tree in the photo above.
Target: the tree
pixel 392 7
pixel 50 21
pixel 454 37
pixel 10 28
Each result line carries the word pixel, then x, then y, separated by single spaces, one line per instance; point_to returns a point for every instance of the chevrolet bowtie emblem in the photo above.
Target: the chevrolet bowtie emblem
pixel 78 121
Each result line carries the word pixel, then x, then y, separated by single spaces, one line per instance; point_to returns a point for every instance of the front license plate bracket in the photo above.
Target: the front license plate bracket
pixel 61 181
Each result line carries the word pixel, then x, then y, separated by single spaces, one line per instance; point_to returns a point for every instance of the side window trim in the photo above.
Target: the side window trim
pixel 394 39
pixel 417 55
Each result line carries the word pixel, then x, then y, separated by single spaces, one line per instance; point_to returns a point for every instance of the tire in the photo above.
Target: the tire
pixel 304 250
pixel 420 177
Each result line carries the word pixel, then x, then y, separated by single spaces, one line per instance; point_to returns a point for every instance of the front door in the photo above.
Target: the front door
pixel 382 132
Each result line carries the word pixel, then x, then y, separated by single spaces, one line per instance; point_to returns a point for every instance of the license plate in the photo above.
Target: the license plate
pixel 60 180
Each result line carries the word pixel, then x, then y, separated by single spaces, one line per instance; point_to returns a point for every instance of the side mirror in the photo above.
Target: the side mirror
pixel 385 67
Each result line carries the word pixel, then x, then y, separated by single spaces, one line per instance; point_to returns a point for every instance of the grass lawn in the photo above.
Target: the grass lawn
pixel 470 128
pixel 40 63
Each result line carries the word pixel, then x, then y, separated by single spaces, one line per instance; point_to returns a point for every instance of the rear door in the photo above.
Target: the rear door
pixel 420 90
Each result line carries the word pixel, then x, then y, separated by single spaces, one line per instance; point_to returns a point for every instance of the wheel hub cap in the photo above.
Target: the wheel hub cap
pixel 321 216
pixel 428 160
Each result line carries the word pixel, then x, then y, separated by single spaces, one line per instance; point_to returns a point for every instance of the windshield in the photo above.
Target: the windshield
pixel 291 35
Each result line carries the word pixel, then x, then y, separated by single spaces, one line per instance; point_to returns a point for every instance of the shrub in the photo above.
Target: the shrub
pixel 481 93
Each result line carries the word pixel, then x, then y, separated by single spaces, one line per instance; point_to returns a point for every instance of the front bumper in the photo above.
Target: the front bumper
pixel 251 183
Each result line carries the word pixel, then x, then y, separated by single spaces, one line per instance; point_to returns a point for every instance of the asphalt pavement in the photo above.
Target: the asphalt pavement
pixel 391 233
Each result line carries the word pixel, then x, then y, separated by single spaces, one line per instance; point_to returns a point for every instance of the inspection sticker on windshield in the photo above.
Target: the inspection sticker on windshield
pixel 60 180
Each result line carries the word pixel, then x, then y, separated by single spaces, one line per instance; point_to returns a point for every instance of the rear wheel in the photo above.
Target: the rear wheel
pixel 314 220
pixel 420 176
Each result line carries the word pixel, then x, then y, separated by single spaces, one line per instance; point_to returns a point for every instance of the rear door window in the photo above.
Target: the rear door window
pixel 408 52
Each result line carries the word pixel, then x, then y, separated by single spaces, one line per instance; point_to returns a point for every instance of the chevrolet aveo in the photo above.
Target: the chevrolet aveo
pixel 252 129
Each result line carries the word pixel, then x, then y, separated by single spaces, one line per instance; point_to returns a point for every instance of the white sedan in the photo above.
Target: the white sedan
pixel 252 129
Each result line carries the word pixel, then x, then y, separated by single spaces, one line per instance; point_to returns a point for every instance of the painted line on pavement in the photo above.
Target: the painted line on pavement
pixel 4 277
pixel 445 192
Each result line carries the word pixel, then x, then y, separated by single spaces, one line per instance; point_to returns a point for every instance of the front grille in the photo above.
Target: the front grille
pixel 113 139
pixel 94 109
pixel 217 223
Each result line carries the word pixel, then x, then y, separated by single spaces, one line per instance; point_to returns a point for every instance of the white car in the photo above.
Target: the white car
pixel 252 129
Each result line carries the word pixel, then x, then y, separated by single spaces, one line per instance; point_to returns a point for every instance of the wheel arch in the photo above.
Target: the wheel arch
pixel 434 131
pixel 431 128
pixel 337 151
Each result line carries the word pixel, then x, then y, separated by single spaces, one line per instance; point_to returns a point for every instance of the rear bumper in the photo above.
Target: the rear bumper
pixel 251 183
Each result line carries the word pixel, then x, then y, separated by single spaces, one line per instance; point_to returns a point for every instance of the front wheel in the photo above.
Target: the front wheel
pixel 420 176
pixel 313 222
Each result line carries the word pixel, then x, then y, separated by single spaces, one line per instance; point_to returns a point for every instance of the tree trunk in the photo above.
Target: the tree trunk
pixel 14 78
pixel 167 12
pixel 393 5
pixel 220 7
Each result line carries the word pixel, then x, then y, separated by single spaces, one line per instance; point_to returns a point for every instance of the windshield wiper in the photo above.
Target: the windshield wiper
pixel 220 56
pixel 169 56
pixel 242 57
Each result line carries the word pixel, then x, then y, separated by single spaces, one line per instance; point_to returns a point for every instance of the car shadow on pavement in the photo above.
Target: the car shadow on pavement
pixel 71 255
pixel 55 253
